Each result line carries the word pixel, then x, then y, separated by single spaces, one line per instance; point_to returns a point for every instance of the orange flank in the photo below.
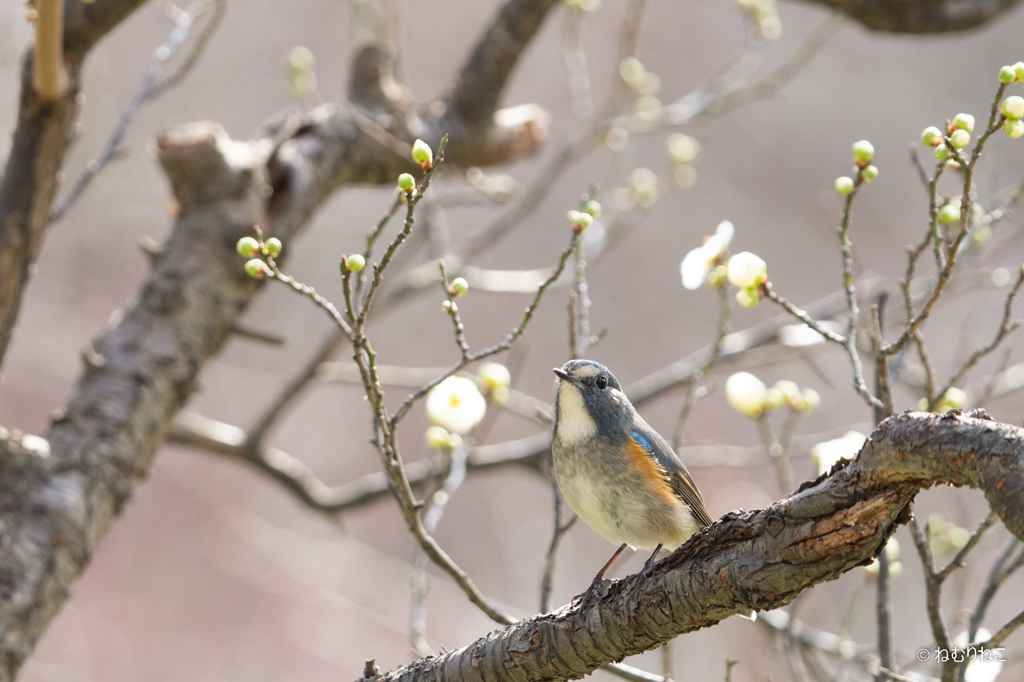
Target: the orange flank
pixel 653 475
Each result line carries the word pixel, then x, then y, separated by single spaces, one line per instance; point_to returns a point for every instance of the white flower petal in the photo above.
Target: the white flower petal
pixel 831 451
pixel 719 242
pixel 746 270
pixel 695 268
pixel 746 393
pixel 456 404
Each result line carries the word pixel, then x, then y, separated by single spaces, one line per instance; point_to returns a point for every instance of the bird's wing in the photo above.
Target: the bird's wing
pixel 679 478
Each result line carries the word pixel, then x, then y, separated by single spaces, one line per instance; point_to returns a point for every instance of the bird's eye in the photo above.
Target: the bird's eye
pixel 602 382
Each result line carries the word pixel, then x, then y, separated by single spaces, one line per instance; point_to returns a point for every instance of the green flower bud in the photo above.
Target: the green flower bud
pixel 863 152
pixel 683 148
pixel 355 262
pixel 717 276
pixel 1007 74
pixel 950 213
pixel 421 154
pixel 748 298
pixel 964 122
pixel 247 247
pixel 869 173
pixel 592 208
pixel 960 139
pixel 942 153
pixel 256 269
pixel 437 438
pixel 1018 69
pixel 932 136
pixel 579 221
pixel 273 246
pixel 1014 128
pixel 774 399
pixel 459 287
pixel 811 400
pixel 844 185
pixel 406 182
pixel 791 392
pixel 1013 107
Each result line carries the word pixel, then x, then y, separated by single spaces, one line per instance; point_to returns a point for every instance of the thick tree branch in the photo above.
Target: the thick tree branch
pixel 920 16
pixel 55 510
pixel 761 559
pixel 39 143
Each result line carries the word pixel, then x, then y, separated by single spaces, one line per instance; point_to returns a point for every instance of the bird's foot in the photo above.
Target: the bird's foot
pixel 587 599
pixel 648 569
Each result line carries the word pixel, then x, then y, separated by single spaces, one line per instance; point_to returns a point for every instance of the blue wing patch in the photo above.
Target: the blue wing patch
pixel 679 478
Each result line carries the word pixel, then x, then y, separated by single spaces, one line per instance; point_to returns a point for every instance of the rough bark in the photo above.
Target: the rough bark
pixel 54 510
pixel 41 139
pixel 58 497
pixel 759 559
pixel 921 16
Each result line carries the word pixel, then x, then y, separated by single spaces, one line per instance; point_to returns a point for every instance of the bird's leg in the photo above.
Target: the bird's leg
pixel 646 572
pixel 587 597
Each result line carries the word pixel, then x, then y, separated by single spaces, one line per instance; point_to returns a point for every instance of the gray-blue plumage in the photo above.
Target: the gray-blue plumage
pixel 614 470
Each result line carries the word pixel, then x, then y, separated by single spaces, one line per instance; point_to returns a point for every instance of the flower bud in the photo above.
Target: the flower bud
pixel 869 173
pixel 1014 128
pixel 863 152
pixel 247 247
pixel 494 375
pixel 791 392
pixel 811 400
pixel 459 287
pixel 1007 74
pixel 774 399
pixel 960 139
pixel 683 149
pixel 579 221
pixel 932 136
pixel 748 298
pixel 501 395
pixel 964 122
pixel 406 182
pixel 746 270
pixel 437 438
pixel 1018 69
pixel 355 262
pixel 449 307
pixel 950 213
pixel 273 246
pixel 592 208
pixel 421 154
pixel 746 394
pixel 942 152
pixel 844 185
pixel 1013 107
pixel 256 269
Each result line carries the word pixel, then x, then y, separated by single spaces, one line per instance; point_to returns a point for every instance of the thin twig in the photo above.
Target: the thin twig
pixel 693 387
pixel 453 311
pixel 182 24
pixel 1006 327
pixel 560 529
pixel 958 560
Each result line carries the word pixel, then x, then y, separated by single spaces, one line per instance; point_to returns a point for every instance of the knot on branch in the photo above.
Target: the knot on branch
pixel 372 82
pixel 204 164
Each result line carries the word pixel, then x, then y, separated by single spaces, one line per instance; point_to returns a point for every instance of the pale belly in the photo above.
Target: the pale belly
pixel 639 517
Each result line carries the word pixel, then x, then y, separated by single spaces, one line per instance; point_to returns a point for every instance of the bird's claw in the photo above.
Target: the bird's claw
pixel 587 599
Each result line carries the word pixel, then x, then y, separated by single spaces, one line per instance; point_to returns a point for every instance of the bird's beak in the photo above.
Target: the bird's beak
pixel 562 374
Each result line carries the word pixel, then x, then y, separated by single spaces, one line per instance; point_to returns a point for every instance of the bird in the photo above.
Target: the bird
pixel 616 472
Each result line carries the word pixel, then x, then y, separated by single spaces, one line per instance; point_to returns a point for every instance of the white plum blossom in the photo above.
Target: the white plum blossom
pixel 456 404
pixel 494 374
pixel 746 270
pixel 698 262
pixel 746 393
pixel 831 451
pixel 982 668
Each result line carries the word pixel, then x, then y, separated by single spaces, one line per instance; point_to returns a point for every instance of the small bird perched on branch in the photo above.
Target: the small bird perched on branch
pixel 616 472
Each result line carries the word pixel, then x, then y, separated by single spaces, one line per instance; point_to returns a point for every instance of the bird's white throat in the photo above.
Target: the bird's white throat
pixel 574 422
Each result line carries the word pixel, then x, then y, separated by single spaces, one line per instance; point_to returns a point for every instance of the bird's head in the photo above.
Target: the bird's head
pixel 589 401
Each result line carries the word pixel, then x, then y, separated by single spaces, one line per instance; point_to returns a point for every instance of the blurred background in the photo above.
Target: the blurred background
pixel 213 572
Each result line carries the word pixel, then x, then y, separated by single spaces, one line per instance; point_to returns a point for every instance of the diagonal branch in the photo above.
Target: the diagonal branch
pixel 761 559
